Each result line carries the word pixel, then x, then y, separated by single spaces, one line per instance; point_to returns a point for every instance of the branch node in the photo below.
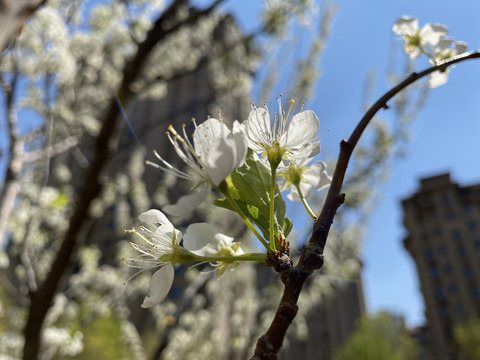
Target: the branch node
pixel 265 349
pixel 280 261
pixel 312 256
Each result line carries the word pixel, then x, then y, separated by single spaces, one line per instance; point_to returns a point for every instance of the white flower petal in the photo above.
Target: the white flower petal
pixel 160 285
pixel 413 53
pixel 201 239
pixel 220 162
pixel 219 150
pixel 238 127
pixel 405 26
pixel 164 228
pixel 305 153
pixel 443 45
pixel 432 33
pixel 259 127
pixel 186 204
pixel 239 138
pixel 301 130
pixel 154 216
pixel 206 134
pixel 460 47
pixel 437 78
pixel 317 176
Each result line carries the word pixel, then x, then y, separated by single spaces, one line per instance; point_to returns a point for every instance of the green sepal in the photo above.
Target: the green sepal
pixel 179 255
pixel 287 226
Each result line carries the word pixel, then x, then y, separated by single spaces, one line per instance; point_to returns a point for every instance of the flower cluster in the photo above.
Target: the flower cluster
pixel 159 247
pixel 250 165
pixel 215 153
pixel 431 41
pixel 289 144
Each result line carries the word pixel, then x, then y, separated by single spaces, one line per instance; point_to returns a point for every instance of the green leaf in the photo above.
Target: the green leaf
pixel 249 185
pixel 252 212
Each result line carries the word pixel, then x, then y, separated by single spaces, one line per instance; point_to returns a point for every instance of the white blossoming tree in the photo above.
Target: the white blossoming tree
pixel 80 70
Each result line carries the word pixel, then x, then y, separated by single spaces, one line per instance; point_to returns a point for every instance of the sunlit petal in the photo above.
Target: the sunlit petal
pixel 432 33
pixel 160 285
pixel 405 26
pixel 187 203
pixel 301 131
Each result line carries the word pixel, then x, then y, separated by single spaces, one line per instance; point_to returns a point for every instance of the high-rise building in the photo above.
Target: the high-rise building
pixel 443 223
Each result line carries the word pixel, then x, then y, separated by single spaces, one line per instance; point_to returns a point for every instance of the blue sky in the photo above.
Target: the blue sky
pixel 445 135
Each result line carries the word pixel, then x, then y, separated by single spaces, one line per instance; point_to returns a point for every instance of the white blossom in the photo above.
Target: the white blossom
pixel 216 151
pixel 204 240
pixel 296 135
pixel 444 51
pixel 310 177
pixel 415 38
pixel 156 250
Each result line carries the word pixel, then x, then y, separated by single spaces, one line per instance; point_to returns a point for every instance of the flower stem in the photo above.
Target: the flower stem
pixel 244 257
pixel 304 202
pixel 272 207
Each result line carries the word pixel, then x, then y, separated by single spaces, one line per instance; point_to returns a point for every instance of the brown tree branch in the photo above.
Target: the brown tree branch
pixel 311 258
pixel 105 147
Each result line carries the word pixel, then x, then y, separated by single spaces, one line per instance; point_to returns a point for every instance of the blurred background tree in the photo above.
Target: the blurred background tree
pixel 381 336
pixel 467 339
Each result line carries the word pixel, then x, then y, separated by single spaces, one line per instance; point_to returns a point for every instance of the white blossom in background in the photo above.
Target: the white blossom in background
pixel 310 177
pixel 63 341
pixel 445 49
pixel 45 47
pixel 295 136
pixel 216 151
pixel 204 240
pixel 155 250
pixel 417 39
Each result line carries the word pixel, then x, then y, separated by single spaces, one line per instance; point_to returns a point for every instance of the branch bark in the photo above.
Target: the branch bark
pixel 311 257
pixel 105 147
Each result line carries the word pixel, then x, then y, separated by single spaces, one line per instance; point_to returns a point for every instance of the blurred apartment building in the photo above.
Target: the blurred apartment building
pixel 443 223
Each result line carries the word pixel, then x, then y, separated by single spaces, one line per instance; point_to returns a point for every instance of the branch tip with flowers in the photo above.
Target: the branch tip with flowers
pixel 251 165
